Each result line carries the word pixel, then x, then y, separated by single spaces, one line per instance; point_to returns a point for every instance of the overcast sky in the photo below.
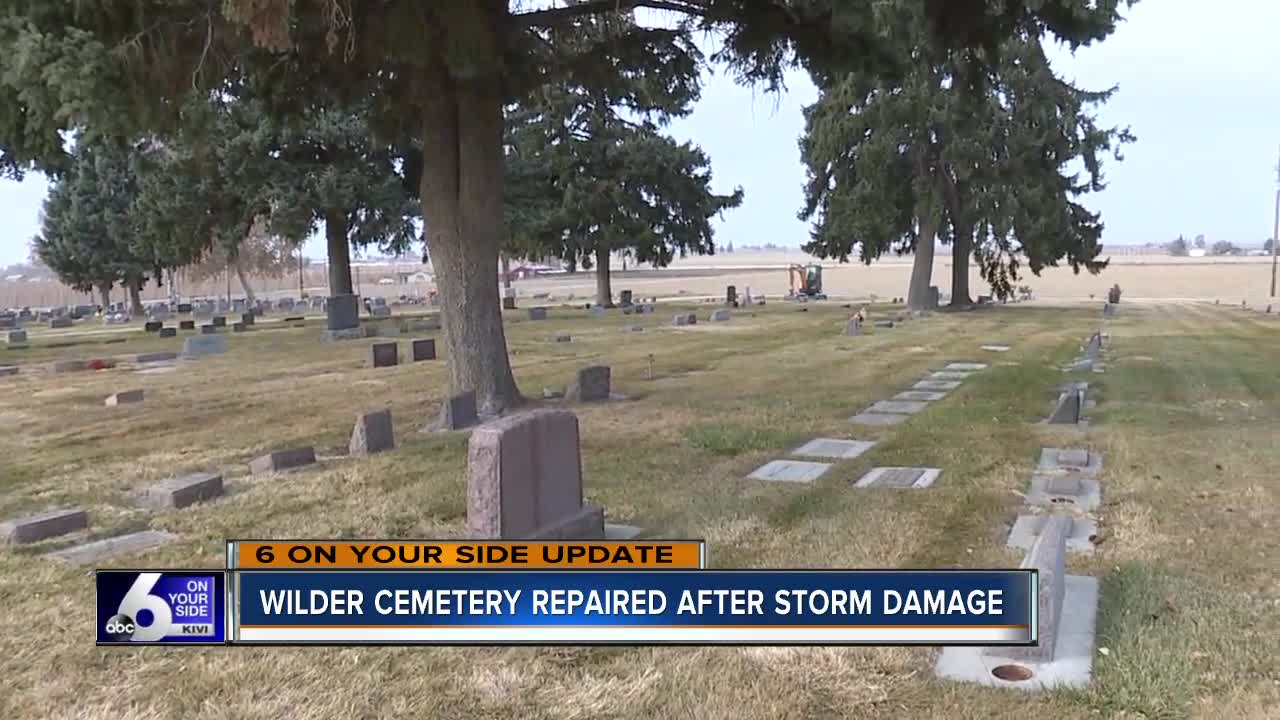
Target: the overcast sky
pixel 1197 84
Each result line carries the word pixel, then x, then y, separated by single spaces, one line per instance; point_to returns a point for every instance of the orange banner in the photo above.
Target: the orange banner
pixel 425 554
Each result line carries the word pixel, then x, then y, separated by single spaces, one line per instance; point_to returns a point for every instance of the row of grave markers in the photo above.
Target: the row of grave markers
pixel 1057 519
pixel 890 412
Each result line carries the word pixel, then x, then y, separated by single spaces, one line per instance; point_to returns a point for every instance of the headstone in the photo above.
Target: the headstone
pixel 920 395
pixel 373 433
pixel 563 338
pixel 295 321
pixel 965 366
pixel 143 358
pixel 1048 556
pixel 179 492
pixel 598 311
pixel 184 308
pixel 186 324
pixel 16 337
pixel 592 384
pixel 239 328
pixel 680 320
pixel 853 328
pixel 197 345
pixel 721 315
pixel 509 303
pixel 1109 310
pixel 932 300
pixel 124 398
pixel 8 370
pixel 460 411
pixel 219 321
pixel 873 418
pixel 153 326
pixel 537 313
pixel 380 311
pixel 385 354
pixel 731 296
pixel 208 329
pixel 884 323
pixel 168 332
pixel 247 319
pixel 283 460
pixel 625 298
pixel 41 526
pixel 524 480
pixel 100 550
pixel 899 477
pixel 424 349
pixel 790 471
pixel 1068 408
pixel 60 322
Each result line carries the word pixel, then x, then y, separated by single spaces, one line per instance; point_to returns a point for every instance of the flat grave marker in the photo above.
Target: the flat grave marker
pixel 44 525
pixel 790 471
pixel 386 354
pixel 873 418
pixel 899 477
pixel 920 395
pixel 1027 528
pixel 996 348
pixel 965 366
pixel 936 385
pixel 131 544
pixel 834 449
pixel 898 407
pixel 949 375
pixel 180 492
pixel 124 398
pixel 280 460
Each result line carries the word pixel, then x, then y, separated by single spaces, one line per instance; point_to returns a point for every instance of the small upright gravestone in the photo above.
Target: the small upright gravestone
pixel 153 326
pixel 186 324
pixel 16 337
pixel 721 315
pixel 239 327
pixel 204 345
pixel 208 329
pixel 424 349
pixel 524 480
pixel 625 298
pixel 282 460
pixel 59 323
pixel 124 398
pixel 537 313
pixel 854 327
pixel 373 433
pixel 168 332
pixel 179 492
pixel 384 354
pixel 592 384
pixel 219 321
pixel 35 528
pixel 731 296
pixel 460 411
pixel 247 318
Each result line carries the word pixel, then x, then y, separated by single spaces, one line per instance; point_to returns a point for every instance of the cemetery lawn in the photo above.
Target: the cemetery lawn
pixel 1187 421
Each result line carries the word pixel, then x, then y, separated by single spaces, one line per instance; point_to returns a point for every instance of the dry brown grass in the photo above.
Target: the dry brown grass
pixel 1190 596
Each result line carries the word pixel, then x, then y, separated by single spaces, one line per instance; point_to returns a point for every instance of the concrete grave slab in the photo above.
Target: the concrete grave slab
pixel 124 398
pixel 899 477
pixel 834 449
pixel 41 526
pixel 965 366
pixel 1078 460
pixel 130 544
pixel 790 471
pixel 920 395
pixel 65 366
pixel 200 345
pixel 1064 491
pixel 373 433
pixel 1027 528
pixel 524 480
pixel 873 418
pixel 1072 663
pixel 995 348
pixel 283 460
pixel 898 407
pixel 180 492
pixel 949 375
pixel 622 532
pixel 936 385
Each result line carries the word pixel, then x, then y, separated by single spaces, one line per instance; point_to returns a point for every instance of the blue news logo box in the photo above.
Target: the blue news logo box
pixel 161 607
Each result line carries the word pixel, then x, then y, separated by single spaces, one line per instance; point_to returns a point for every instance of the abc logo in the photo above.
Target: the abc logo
pixel 121 627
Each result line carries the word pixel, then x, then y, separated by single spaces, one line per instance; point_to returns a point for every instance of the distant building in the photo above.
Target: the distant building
pixel 1197 252
pixel 525 272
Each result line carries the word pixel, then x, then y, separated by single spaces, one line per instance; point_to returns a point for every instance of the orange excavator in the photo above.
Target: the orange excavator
pixel 806 282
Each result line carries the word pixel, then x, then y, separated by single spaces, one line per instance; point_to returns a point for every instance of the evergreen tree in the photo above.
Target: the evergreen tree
pixel 439 72
pixel 87 223
pixel 895 161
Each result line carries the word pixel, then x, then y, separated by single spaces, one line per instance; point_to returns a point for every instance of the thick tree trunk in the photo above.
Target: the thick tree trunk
pixel 961 249
pixel 104 295
pixel 244 283
pixel 335 233
pixel 604 293
pixel 922 268
pixel 462 195
pixel 135 297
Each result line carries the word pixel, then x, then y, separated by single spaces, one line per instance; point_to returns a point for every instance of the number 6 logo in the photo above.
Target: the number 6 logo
pixel 139 598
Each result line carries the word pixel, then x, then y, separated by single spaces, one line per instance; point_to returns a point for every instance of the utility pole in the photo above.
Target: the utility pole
pixel 1275 234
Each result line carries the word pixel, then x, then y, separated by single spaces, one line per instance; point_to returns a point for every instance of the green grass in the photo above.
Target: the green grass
pixel 1187 421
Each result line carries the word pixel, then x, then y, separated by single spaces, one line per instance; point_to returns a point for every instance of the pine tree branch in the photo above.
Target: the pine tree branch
pixel 554 16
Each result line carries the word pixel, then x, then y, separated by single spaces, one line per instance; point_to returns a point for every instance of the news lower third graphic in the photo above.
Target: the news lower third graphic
pixel 162 607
